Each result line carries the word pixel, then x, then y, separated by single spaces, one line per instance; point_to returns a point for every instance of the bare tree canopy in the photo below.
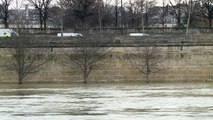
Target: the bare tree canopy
pixel 85 58
pixel 177 10
pixel 82 9
pixel 4 11
pixel 24 60
pixel 207 8
pixel 42 6
pixel 147 60
pixel 142 7
pixel 162 13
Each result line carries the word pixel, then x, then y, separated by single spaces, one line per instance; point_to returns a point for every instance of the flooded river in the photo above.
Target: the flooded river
pixel 177 101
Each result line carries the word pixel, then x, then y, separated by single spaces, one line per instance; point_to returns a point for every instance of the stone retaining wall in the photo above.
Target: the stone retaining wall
pixel 191 64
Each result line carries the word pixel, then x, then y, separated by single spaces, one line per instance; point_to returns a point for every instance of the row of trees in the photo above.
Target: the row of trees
pixel 83 58
pixel 135 13
pixel 115 13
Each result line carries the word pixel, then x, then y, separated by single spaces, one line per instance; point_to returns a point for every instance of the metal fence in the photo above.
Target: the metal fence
pixel 108 40
pixel 117 31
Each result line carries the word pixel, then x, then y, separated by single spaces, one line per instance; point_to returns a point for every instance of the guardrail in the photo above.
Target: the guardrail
pixel 96 30
pixel 108 41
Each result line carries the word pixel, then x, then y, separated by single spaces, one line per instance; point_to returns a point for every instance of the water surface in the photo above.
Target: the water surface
pixel 177 101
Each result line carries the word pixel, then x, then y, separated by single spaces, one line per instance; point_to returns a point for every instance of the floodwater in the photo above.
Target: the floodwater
pixel 173 101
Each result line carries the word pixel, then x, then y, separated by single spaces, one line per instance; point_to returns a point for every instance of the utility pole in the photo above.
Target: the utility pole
pixel 116 13
pixel 62 20
pixel 142 19
pixel 163 15
pixel 189 17
pixel 121 17
pixel 100 17
pixel 17 15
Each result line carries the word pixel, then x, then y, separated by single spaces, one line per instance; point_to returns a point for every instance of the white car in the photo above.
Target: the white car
pixel 69 35
pixel 138 34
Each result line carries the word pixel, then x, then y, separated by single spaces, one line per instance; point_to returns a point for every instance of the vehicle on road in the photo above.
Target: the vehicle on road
pixel 69 35
pixel 138 34
pixel 7 33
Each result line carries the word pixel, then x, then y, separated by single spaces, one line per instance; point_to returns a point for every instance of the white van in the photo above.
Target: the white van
pixel 138 34
pixel 69 35
pixel 7 33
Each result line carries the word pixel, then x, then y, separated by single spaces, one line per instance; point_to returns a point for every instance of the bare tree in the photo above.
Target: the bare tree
pixel 25 60
pixel 86 56
pixel 162 13
pixel 122 14
pixel 132 13
pixel 100 3
pixel 142 4
pixel 142 8
pixel 42 6
pixel 4 11
pixel 148 4
pixel 192 12
pixel 116 13
pixel 177 12
pixel 207 6
pixel 62 5
pixel 147 60
pixel 103 7
pixel 82 9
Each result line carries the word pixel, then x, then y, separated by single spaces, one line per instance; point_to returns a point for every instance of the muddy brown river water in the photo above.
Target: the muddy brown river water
pixel 126 101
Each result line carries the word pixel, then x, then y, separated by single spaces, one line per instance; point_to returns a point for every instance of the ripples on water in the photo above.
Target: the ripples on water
pixel 106 101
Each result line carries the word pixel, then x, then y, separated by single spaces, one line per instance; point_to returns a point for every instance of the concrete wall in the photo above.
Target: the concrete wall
pixel 191 64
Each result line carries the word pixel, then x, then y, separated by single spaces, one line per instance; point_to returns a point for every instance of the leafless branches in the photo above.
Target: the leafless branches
pixel 86 56
pixel 147 60
pixel 24 60
pixel 207 9
pixel 4 11
pixel 42 6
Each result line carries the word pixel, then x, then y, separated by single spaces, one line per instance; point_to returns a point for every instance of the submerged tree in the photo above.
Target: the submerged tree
pixel 147 60
pixel 86 56
pixel 25 60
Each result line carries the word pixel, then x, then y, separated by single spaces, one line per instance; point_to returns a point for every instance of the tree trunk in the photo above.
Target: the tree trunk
pixel 188 20
pixel 179 17
pixel 163 15
pixel 45 25
pixel 142 19
pixel 210 22
pixel 41 22
pixel 122 17
pixel 147 78
pixel 146 15
pixel 100 19
pixel 62 22
pixel 116 16
pixel 6 22
pixel 85 78
pixel 20 79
